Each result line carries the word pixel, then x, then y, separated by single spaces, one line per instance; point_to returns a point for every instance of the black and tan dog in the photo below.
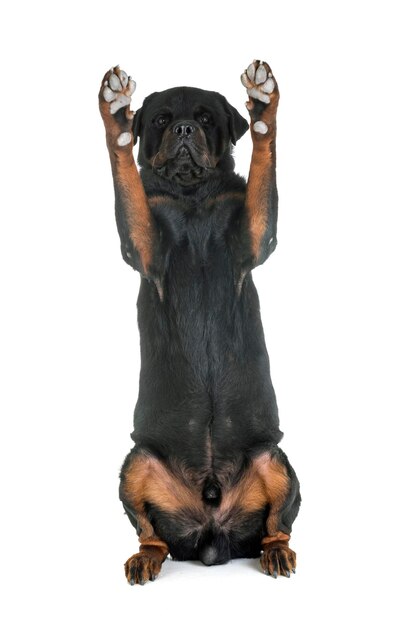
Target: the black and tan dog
pixel 205 479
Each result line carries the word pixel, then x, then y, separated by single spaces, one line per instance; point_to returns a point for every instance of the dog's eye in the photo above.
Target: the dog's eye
pixel 204 119
pixel 161 121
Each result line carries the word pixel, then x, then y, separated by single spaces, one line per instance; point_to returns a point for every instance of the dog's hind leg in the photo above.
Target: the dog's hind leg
pixel 146 564
pixel 161 506
pixel 281 488
pixel 138 482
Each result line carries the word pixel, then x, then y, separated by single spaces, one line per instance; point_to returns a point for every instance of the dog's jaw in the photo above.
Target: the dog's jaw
pixel 184 160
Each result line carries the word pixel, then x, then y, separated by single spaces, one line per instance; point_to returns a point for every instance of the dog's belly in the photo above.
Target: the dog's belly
pixel 205 372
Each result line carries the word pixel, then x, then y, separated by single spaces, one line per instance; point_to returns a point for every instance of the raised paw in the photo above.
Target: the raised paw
pixel 114 103
pixel 258 80
pixel 117 89
pixel 262 90
pixel 142 567
pixel 277 560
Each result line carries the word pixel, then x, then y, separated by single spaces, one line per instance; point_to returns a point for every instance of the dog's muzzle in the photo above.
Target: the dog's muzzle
pixel 183 154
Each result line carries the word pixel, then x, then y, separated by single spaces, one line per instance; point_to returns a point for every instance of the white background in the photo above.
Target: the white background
pixel 330 300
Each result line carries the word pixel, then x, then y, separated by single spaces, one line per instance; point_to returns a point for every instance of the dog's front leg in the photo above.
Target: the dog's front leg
pixel 261 191
pixel 136 225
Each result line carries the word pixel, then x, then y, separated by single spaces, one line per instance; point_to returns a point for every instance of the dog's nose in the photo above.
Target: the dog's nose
pixel 183 129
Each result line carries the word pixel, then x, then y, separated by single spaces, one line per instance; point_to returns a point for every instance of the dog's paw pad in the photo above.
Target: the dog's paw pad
pixel 124 139
pixel 118 89
pixel 258 81
pixel 260 127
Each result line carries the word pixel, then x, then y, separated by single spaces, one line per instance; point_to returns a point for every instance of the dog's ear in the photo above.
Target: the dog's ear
pixel 137 123
pixel 237 124
pixel 139 117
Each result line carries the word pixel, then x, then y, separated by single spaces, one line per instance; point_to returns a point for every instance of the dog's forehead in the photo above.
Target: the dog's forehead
pixel 183 101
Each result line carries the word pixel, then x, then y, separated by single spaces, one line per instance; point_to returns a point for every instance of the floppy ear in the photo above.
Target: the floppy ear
pixel 237 124
pixel 137 123
pixel 138 118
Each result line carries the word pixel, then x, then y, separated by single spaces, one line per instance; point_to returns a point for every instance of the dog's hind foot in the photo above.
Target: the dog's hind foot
pixel 145 565
pixel 278 559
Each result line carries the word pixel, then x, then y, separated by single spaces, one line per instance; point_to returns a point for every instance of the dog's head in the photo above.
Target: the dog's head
pixel 185 133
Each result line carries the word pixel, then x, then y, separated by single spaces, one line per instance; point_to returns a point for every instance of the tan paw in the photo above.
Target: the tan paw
pixel 142 567
pixel 278 559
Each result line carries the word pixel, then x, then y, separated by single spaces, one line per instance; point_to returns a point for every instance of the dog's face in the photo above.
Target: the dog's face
pixel 185 133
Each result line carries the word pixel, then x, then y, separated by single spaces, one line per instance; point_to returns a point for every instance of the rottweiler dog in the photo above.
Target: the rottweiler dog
pixel 205 479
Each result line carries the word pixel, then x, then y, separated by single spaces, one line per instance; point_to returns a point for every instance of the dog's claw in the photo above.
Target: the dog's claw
pixel 274 574
pixel 288 574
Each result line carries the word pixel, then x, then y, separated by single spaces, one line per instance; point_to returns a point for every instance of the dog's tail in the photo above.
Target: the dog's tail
pixel 214 548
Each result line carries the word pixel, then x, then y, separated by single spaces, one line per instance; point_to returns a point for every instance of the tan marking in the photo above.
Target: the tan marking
pixel 275 538
pixel 224 197
pixel 258 191
pixel 248 493
pixel 146 564
pixel 153 542
pixel 138 214
pixel 148 480
pixel 277 484
pixel 273 557
pixel 156 200
pixel 265 482
pixel 262 169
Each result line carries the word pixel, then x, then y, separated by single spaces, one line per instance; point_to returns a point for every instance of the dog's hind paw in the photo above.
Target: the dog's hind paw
pixel 142 567
pixel 118 89
pixel 278 560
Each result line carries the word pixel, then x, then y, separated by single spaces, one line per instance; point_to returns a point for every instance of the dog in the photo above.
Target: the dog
pixel 205 479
